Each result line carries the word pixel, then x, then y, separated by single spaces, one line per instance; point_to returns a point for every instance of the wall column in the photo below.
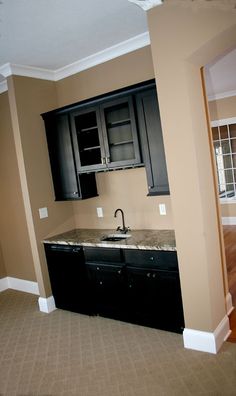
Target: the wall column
pixel 183 39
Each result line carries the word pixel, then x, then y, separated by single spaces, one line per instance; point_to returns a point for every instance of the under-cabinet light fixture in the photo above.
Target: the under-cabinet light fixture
pixel 147 4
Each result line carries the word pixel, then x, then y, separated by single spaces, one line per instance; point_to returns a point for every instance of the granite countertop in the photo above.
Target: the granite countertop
pixel 140 239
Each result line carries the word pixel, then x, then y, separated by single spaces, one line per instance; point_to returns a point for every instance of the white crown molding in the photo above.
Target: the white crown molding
pixel 26 71
pixel 222 95
pixel 147 4
pixel 139 41
pixel 3 86
pixel 47 305
pixel 207 342
pixel 132 44
pixel 223 121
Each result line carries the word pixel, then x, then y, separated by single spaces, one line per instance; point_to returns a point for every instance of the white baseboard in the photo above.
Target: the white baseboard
pixel 4 284
pixel 228 220
pixel 19 284
pixel 229 303
pixel 207 342
pixel 23 285
pixel 47 305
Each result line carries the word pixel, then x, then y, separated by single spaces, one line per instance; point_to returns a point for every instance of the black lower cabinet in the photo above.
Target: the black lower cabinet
pixel 154 298
pixel 68 276
pixel 108 289
pixel 137 286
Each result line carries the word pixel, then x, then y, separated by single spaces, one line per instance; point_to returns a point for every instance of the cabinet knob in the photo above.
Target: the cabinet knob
pixel 151 258
pixel 148 274
pixel 119 271
pixel 75 192
pixel 108 160
pixel 103 160
pixel 154 275
pixel 130 286
pixel 98 268
pixel 100 283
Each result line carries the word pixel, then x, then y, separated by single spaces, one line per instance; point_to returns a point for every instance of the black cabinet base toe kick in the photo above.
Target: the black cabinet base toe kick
pixel 136 286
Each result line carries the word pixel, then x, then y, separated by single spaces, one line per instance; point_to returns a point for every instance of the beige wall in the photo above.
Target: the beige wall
pixel 220 109
pixel 3 271
pixel 14 238
pixel 128 188
pixel 182 40
pixel 28 99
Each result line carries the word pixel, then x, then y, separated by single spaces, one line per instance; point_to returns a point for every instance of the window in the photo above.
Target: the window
pixel 224 141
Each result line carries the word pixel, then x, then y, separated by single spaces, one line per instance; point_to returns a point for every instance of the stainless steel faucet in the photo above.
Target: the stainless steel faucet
pixel 122 229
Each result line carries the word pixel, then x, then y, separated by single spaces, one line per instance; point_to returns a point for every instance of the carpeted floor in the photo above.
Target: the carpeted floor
pixel 63 353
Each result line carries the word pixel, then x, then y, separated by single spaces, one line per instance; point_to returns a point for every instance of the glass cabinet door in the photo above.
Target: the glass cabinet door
pixel 120 134
pixel 88 139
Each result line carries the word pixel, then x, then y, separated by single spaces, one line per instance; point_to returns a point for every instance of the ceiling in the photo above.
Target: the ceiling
pixel 52 34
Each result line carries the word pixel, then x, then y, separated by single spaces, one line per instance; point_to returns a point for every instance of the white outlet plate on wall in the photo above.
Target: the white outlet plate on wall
pixel 162 209
pixel 43 213
pixel 99 212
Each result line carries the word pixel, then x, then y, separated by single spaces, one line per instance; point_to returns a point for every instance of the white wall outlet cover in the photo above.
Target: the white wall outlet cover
pixel 147 4
pixel 43 213
pixel 162 209
pixel 99 212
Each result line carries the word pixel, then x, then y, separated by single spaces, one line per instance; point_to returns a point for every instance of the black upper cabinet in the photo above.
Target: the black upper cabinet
pixel 152 142
pixel 68 184
pixel 104 133
pixel 105 136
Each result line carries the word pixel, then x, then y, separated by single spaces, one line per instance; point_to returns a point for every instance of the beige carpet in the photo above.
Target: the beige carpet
pixel 63 353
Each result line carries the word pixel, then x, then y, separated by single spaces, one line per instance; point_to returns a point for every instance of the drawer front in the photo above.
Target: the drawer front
pixel 105 255
pixel 151 259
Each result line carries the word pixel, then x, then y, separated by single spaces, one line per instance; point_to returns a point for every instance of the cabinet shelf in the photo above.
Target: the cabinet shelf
pixel 120 143
pixel 88 129
pixel 119 123
pixel 90 148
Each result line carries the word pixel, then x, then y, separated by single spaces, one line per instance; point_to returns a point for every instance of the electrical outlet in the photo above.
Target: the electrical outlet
pixel 99 212
pixel 162 209
pixel 43 213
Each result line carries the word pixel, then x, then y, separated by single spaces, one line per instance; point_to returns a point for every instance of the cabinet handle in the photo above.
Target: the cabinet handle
pixel 75 250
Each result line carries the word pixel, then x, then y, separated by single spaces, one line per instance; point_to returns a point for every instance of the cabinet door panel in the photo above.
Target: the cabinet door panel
pixel 69 280
pixel 152 143
pixel 88 139
pixel 154 298
pixel 61 158
pixel 120 134
pixel 107 283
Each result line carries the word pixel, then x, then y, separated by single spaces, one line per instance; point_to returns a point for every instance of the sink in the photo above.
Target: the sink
pixel 115 237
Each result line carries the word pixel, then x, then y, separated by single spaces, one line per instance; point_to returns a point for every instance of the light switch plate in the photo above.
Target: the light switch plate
pixel 43 213
pixel 162 209
pixel 99 212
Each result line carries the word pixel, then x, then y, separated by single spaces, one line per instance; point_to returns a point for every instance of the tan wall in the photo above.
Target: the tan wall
pixel 182 40
pixel 14 238
pixel 128 188
pixel 29 98
pixel 3 271
pixel 220 109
